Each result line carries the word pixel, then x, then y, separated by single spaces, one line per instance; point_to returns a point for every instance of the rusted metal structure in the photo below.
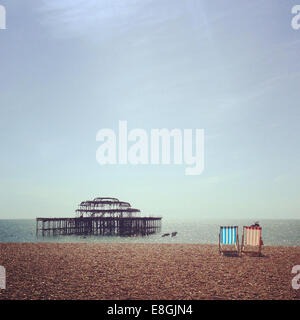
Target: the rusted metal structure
pixel 106 207
pixel 101 216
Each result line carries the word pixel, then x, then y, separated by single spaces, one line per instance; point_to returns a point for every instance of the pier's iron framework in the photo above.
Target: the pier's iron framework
pixel 101 216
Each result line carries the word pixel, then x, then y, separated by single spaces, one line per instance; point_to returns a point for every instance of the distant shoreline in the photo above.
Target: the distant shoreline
pixel 274 232
pixel 188 219
pixel 145 271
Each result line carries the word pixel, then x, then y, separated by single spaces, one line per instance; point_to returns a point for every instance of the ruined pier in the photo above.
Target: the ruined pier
pixel 103 217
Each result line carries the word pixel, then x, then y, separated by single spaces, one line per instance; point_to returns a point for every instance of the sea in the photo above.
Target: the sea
pixel 274 232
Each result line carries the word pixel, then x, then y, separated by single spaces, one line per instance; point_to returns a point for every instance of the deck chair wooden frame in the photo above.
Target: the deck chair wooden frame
pixel 229 237
pixel 251 239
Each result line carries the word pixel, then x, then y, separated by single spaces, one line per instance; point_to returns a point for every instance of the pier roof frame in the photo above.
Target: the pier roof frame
pixel 105 206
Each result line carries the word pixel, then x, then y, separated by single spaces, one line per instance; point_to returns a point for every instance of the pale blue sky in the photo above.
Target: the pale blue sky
pixel 71 67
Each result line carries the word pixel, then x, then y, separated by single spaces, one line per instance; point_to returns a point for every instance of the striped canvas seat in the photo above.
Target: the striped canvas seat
pixel 252 238
pixel 228 236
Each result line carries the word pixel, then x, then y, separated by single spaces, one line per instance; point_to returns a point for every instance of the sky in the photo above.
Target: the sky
pixel 69 68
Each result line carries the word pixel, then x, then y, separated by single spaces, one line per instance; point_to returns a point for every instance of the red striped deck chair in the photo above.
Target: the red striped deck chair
pixel 229 239
pixel 251 240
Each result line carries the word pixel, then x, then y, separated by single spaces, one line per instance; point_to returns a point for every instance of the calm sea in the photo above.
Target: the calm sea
pixel 275 232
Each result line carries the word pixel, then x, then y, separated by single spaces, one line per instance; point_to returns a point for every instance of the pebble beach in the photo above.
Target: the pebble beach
pixel 114 271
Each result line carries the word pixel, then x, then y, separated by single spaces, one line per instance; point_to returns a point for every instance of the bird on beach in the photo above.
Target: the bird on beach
pixel 174 234
pixel 165 234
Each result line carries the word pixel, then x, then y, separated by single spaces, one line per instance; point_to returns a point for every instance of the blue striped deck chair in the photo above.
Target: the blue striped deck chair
pixel 229 238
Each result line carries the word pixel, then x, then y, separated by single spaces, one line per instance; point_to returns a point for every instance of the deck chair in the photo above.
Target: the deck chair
pixel 229 238
pixel 251 239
